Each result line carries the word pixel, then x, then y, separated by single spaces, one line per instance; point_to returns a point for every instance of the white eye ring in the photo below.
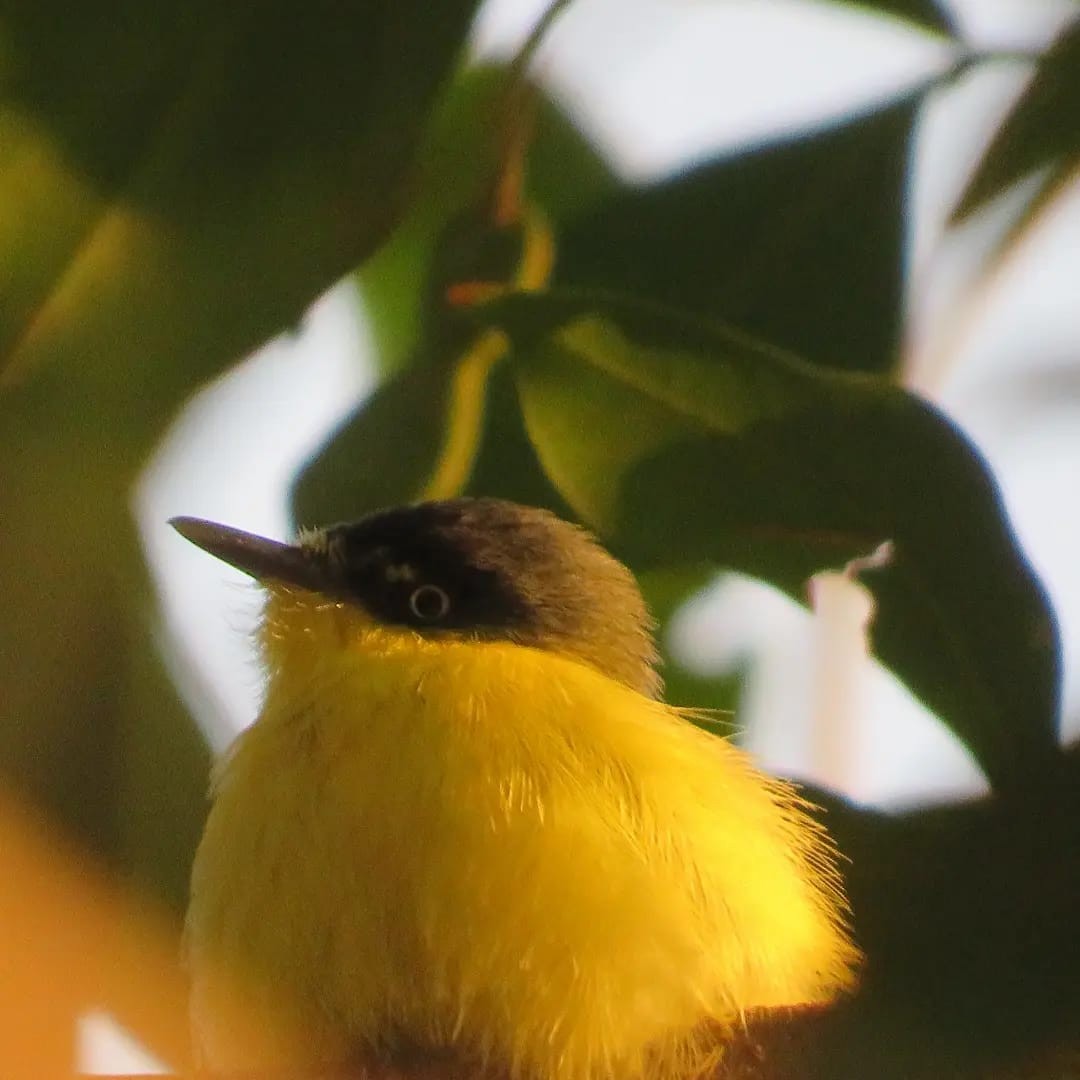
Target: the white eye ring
pixel 429 603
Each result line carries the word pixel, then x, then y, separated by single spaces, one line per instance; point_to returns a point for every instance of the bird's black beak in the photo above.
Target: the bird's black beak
pixel 255 555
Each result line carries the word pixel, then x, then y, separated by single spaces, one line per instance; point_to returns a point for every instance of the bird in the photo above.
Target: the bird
pixel 465 824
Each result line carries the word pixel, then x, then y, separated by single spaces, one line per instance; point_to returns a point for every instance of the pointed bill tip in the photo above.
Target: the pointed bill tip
pixel 255 555
pixel 198 530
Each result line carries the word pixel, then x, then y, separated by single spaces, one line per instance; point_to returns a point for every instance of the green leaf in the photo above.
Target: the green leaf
pixel 958 905
pixel 181 180
pixel 800 242
pixel 177 182
pixel 1040 133
pixel 390 450
pixel 506 463
pixel 457 162
pixel 684 442
pixel 456 158
pixel 160 767
pixel 382 454
pixel 91 727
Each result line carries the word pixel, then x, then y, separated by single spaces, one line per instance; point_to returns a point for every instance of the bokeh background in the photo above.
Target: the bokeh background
pixel 650 91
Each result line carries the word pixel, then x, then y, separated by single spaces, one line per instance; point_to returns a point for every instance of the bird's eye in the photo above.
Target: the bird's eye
pixel 429 603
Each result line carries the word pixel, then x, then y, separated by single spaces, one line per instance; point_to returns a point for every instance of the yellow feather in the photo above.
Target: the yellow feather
pixel 499 849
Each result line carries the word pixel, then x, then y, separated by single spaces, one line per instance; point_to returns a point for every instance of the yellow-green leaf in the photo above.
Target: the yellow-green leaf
pixel 685 442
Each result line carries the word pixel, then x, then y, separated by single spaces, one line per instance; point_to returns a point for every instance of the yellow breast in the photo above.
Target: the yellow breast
pixel 497 848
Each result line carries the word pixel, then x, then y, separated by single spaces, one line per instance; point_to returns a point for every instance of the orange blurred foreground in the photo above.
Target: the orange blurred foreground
pixel 74 942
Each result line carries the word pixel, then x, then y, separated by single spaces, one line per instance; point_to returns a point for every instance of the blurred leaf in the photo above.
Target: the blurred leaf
pixel 458 160
pixel 565 173
pixel 177 181
pixel 506 464
pixel 455 161
pixel 90 724
pixel 389 450
pixel 383 454
pixel 959 905
pixel 162 766
pixel 925 13
pixel 419 435
pixel 683 442
pixel 800 242
pixel 171 187
pixel 1041 132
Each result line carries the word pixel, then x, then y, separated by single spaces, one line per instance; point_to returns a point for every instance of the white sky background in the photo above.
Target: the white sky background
pixel 657 83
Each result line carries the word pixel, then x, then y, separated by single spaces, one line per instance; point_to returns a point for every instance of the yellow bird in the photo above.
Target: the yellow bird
pixel 465 825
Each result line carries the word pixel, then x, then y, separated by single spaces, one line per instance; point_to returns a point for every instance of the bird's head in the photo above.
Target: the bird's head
pixel 473 569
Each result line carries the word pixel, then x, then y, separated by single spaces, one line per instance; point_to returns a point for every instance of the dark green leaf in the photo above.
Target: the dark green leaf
pixel 455 162
pixel 159 772
pixel 506 465
pixel 1041 132
pixel 458 161
pixel 383 454
pixel 683 442
pixel 177 182
pixel 388 451
pixel 181 180
pixel 799 242
pixel 92 730
pixel 957 906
